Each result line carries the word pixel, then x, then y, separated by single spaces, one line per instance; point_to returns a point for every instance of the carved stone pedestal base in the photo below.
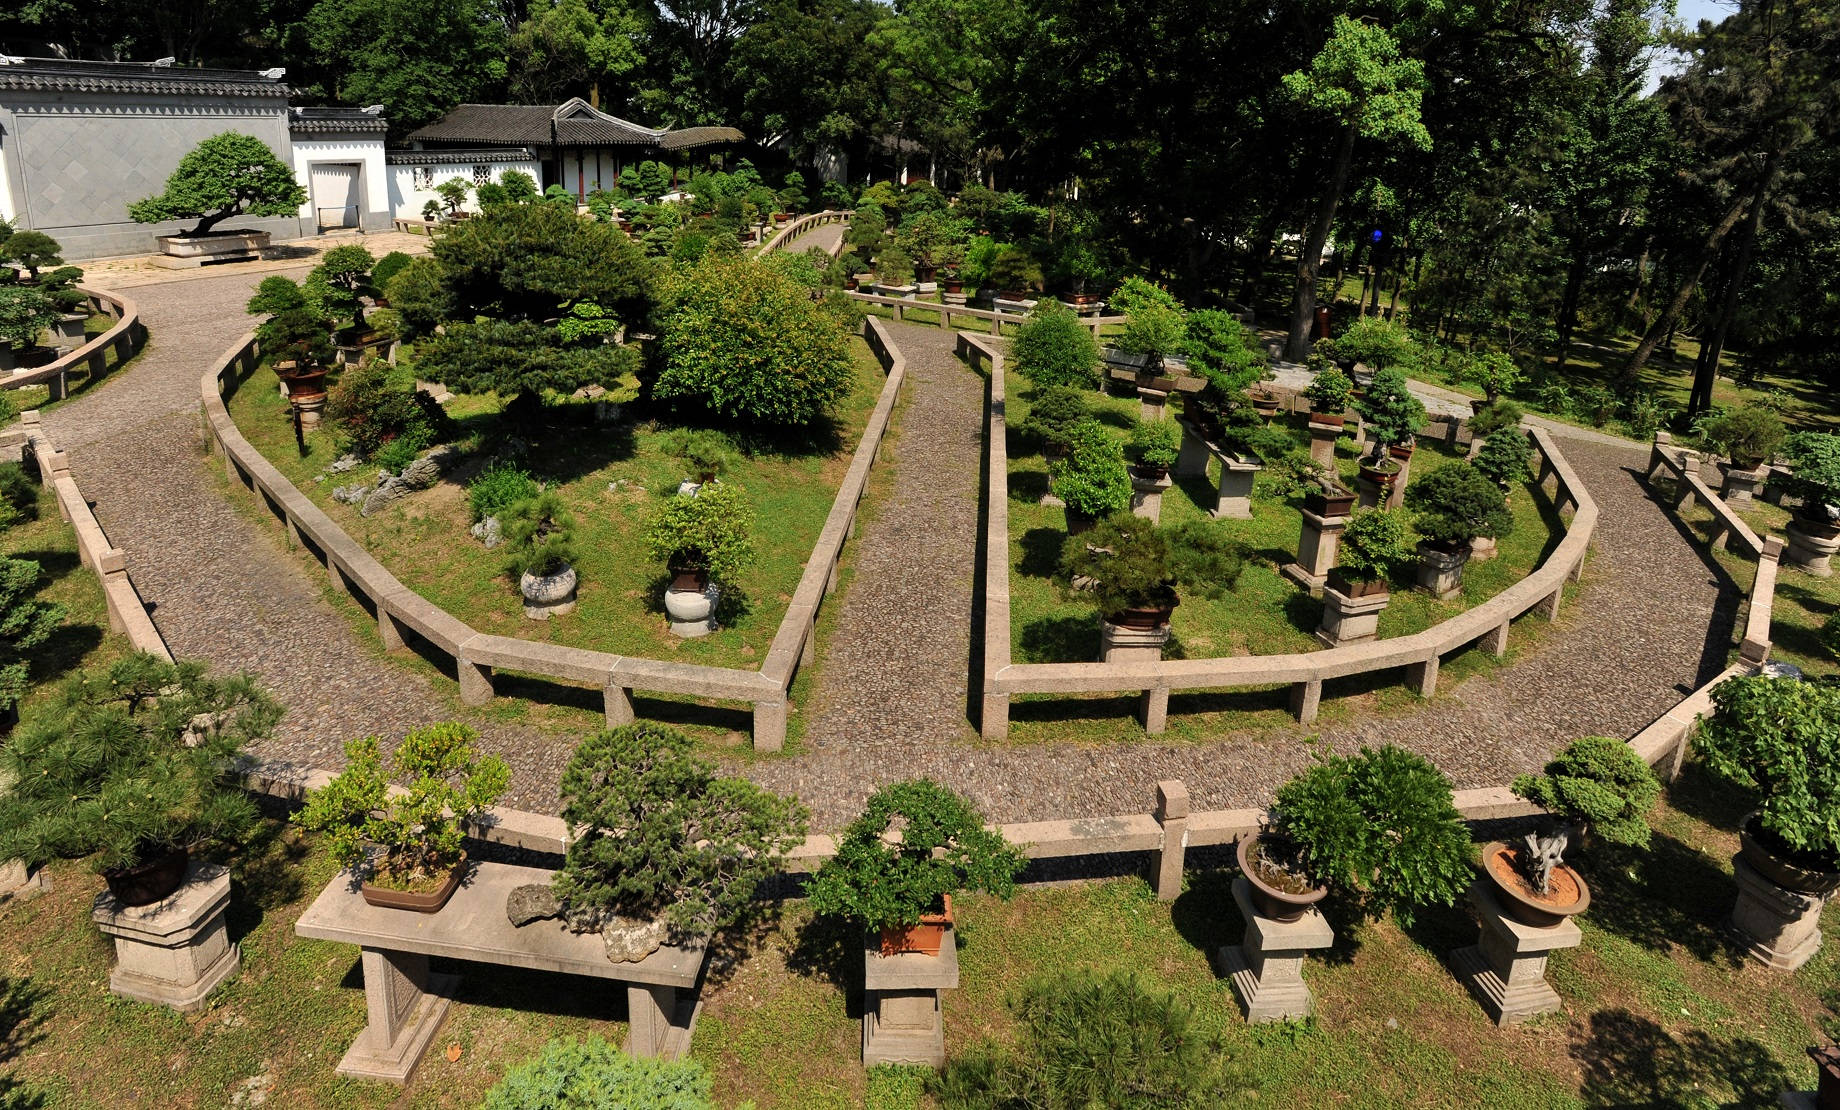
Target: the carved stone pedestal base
pixel 902 1012
pixel 1778 927
pixel 1506 969
pixel 1267 967
pixel 174 952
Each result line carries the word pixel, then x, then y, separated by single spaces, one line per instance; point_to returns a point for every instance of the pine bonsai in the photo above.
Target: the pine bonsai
pixel 1595 783
pixel 1748 435
pixel 25 621
pixel 1391 410
pixel 1495 417
pixel 539 536
pixel 1136 564
pixel 1493 372
pixel 1504 458
pixel 658 835
pixel 1457 503
pixel 227 175
pixel 342 281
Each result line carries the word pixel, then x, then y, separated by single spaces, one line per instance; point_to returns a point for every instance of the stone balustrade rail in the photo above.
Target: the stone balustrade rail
pixel 124 337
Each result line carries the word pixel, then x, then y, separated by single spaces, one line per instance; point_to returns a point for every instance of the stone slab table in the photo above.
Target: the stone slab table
pixel 902 1022
pixel 174 952
pixel 1266 968
pixel 1506 969
pixel 406 1002
pixel 1234 497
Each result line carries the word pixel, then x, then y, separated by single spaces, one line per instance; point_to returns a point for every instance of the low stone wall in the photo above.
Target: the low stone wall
pixel 949 312
pixel 124 338
pixel 800 226
pixel 1419 654
pixel 478 656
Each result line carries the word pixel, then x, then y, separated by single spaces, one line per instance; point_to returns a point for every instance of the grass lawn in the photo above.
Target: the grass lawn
pixel 1660 1009
pixel 609 477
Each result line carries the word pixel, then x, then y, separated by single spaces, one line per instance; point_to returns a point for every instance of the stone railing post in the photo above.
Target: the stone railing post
pixel 1166 861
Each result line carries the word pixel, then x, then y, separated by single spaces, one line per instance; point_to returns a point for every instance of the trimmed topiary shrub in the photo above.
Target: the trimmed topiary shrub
pixel 1457 503
pixel 1219 346
pixel 1746 435
pixel 591 1074
pixel 1375 541
pixel 1053 347
pixel 1156 443
pixel 1493 372
pixel 1329 391
pixel 1377 343
pixel 387 268
pixel 539 536
pixel 1391 410
pixel 1092 479
pixel 1054 416
pixel 710 532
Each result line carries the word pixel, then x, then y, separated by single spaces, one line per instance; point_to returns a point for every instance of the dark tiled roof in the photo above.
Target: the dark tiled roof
pixel 489 123
pixel 698 136
pixel 459 156
pixel 574 123
pixel 62 75
pixel 321 120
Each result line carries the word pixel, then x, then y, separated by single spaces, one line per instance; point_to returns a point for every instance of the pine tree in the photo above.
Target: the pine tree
pixel 25 623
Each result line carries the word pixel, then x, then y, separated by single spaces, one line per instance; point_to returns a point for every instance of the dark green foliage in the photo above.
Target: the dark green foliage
pixel 1134 294
pixel 531 262
pixel 1390 408
pixel 1053 417
pixel 750 346
pixel 1781 738
pixel 1014 270
pixel 411 839
pixel 25 312
pixel 706 452
pixel 131 763
pixel 1053 347
pixel 1092 479
pixel 18 487
pixel 420 297
pixel 1382 823
pixel 1089 1042
pixel 1830 633
pixel 394 456
pixel 375 404
pixel 275 295
pixel 711 531
pixel 1155 330
pixel 1746 433
pixel 1493 418
pixel 342 281
pixel 1457 503
pixel 1375 541
pixel 591 1074
pixel 894 266
pixel 1156 443
pixel 944 848
pixel 226 175
pixel 516 358
pixel 1493 372
pixel 388 267
pixel 31 251
pixel 299 334
pixel 539 535
pixel 418 58
pixel 1136 564
pixel 25 622
pixel 1329 391
pixel 1218 344
pixel 1600 783
pixel 659 835
pixel 1375 342
pixel 497 488
pixel 868 227
pixel 1815 457
pixel 1504 458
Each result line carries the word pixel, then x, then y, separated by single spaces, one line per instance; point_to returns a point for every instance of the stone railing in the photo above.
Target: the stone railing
pixel 901 306
pixel 127 613
pixel 476 656
pixel 800 226
pixel 1419 653
pixel 124 338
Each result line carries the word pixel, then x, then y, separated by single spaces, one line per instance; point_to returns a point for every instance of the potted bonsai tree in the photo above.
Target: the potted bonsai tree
pixel 1747 435
pixel 1055 416
pixel 661 849
pixel 226 175
pixel 406 848
pixel 1014 273
pixel 539 537
pixel 1154 330
pixel 1494 373
pixel 1455 505
pixel 1052 347
pixel 1596 785
pixel 1814 530
pixel 1489 419
pixel 903 887
pixel 701 536
pixel 135 766
pixel 1329 392
pixel 431 211
pixel 453 193
pixel 1380 824
pixel 302 347
pixel 1091 481
pixel 1155 444
pixel 1394 416
pixel 894 273
pixel 1373 543
pixel 1503 458
pixel 1135 566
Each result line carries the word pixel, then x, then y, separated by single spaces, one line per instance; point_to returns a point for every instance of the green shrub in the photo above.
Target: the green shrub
pixel 274 295
pixel 539 536
pixel 1329 391
pixel 944 848
pixel 980 256
pixel 1375 541
pixel 1746 434
pixel 657 835
pixel 707 452
pixel 894 267
pixel 1156 443
pixel 1219 346
pixel 1381 823
pixel 1815 457
pixel 1092 479
pixel 388 267
pixel 393 456
pixel 25 312
pixel 591 1074
pixel 1456 503
pixel 1014 270
pixel 1781 738
pixel 1052 347
pixel 1596 404
pixel 711 532
pixel 1556 398
pixel 375 404
pixel 18 489
pixel 1493 372
pixel 1595 783
pixel 1495 417
pixel 1089 1042
pixel 1054 416
pixel 1644 413
pixel 750 346
pixel 1504 458
pixel 1136 564
pixel 409 840
pixel 1134 294
pixel 1153 331
pixel 1378 343
pixel 497 488
pixel 1830 633
pixel 25 621
pixel 1390 408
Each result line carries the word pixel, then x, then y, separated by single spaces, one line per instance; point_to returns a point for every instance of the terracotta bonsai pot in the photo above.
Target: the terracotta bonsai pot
pixel 1401 452
pixel 149 881
pixel 1355 587
pixel 303 384
pixel 1273 901
pixel 1330 504
pixel 416 901
pixel 954 285
pixel 1078 522
pixel 1773 861
pixel 926 938
pixel 1150 473
pixel 1081 299
pixel 1568 896
pixel 1265 404
pixel 691 580
pixel 1381 475
pixel 1143 620
pixel 1328 419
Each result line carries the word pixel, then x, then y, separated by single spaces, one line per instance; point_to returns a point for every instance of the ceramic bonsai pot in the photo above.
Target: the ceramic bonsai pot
pixel 1143 620
pixel 1265 404
pixel 1401 452
pixel 1775 863
pixel 1269 889
pixel 687 602
pixel 1568 897
pixel 152 880
pixel 1328 419
pixel 1355 587
pixel 1380 474
pixel 429 901
pixel 925 939
pixel 1340 503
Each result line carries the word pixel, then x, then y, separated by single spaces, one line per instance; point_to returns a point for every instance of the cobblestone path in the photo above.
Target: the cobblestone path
pixel 826 237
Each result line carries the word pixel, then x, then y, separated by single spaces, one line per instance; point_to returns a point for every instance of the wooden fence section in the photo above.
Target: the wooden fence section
pixel 124 338
pixel 477 656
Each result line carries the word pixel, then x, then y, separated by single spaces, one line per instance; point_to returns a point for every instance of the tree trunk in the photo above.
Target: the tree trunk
pixel 1707 371
pixel 1635 292
pixel 1652 338
pixel 1303 306
pixel 1255 264
pixel 1568 304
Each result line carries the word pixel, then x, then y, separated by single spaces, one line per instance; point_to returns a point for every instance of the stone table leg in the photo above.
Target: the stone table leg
pixel 1506 969
pixel 1193 458
pixel 1267 967
pixel 1780 928
pixel 406 1004
pixel 659 1023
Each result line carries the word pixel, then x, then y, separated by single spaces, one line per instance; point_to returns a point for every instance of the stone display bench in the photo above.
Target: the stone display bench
pixel 406 1003
pixel 1234 498
pixel 1266 968
pixel 902 1022
pixel 1506 968
pixel 173 952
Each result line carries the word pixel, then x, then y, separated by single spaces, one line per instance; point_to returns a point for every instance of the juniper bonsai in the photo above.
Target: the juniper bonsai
pixel 1504 457
pixel 1391 410
pixel 228 174
pixel 1457 503
pixel 1053 417
pixel 1596 783
pixel 539 535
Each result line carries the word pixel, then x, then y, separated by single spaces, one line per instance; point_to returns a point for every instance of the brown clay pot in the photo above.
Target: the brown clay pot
pixel 1801 875
pixel 694 580
pixel 150 881
pixel 1150 473
pixel 1329 504
pixel 417 902
pixel 1143 620
pixel 1401 452
pixel 1328 419
pixel 1522 902
pixel 926 938
pixel 954 285
pixel 1355 587
pixel 1381 475
pixel 1279 905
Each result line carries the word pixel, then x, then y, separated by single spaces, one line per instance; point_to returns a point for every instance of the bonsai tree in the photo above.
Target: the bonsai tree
pixel 341 282
pixel 1221 348
pixel 1380 823
pixel 1815 457
pixel 1156 444
pixel 1493 372
pixel 1595 783
pixel 299 334
pixel 927 236
pixel 883 883
pixel 1391 410
pixel 25 312
pixel 706 452
pixel 1377 343
pixel 539 536
pixel 868 228
pixel 1135 294
pixel 1504 457
pixel 792 192
pixel 1747 435
pixel 709 533
pixel 1153 330
pixel 1373 543
pixel 411 839
pixel 1092 480
pixel 1054 416
pixel 1781 738
pixel 1052 347
pixel 275 295
pixel 227 175
pixel 1137 565
pixel 431 209
pixel 453 193
pixel 25 621
pixel 31 251
pixel 1456 503
pixel 894 267
pixel 131 765
pixel 1014 270
pixel 656 834
pixel 1329 391
pixel 1496 416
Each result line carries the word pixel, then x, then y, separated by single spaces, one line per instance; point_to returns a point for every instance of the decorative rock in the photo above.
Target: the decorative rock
pixel 487 532
pixel 344 463
pixel 388 490
pixel 532 902
pixel 354 493
pixel 629 940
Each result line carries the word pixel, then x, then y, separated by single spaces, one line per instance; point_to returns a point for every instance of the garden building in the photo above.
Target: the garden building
pixel 338 156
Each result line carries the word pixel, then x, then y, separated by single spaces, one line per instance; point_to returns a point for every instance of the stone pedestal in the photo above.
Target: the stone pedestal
pixel 1811 553
pixel 1319 543
pixel 1739 489
pixel 174 952
pixel 1266 968
pixel 1440 573
pixel 901 1004
pixel 1483 548
pixel 1506 968
pixel 1194 456
pixel 1131 645
pixel 1781 928
pixel 1234 501
pixel 1153 404
pixel 1396 492
pixel 1147 496
pixel 406 1005
pixel 1322 442
pixel 1350 620
pixel 1370 492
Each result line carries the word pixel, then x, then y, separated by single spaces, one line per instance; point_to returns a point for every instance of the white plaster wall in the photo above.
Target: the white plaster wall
pixel 7 210
pixel 373 180
pixel 407 197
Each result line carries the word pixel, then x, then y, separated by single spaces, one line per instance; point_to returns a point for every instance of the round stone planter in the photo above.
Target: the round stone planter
pixel 690 603
pixel 1812 546
pixel 1440 572
pixel 548 595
